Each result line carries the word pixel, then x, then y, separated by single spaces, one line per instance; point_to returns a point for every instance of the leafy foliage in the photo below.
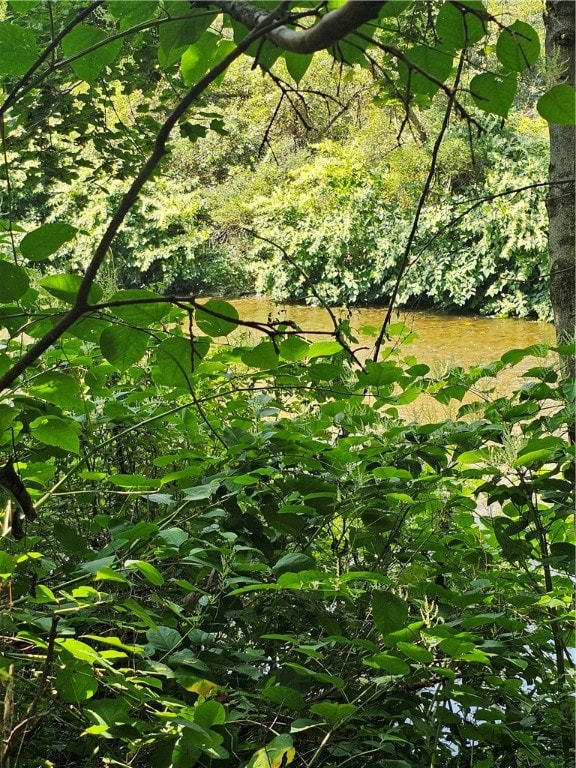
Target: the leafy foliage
pixel 224 552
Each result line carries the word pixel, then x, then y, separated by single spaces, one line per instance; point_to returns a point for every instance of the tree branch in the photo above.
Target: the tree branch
pixel 332 27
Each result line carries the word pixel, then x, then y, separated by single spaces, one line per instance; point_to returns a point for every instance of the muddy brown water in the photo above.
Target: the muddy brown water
pixel 440 340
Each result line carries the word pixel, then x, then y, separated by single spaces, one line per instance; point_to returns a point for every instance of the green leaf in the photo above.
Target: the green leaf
pixel 457 27
pixel 65 287
pixel 57 432
pixel 139 313
pixel 293 349
pixel 18 49
pixel 390 664
pixel 148 571
pixel 430 60
pixel 217 326
pixel 123 346
pixel 89 66
pixel 283 696
pixel 76 684
pixel 163 639
pixel 176 36
pixel 209 713
pixel 294 562
pixel 263 356
pixel 197 58
pixel 174 359
pixel 42 242
pixel 415 652
pixel 278 753
pixel 389 612
pixel 14 282
pixel 493 93
pixel 79 650
pixel 297 64
pixel 558 105
pixel 518 46
pixel 334 713
pixel 323 349
pixel 131 13
pixel 57 388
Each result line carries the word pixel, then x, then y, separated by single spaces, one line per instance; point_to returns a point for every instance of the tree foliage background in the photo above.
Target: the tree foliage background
pixel 220 552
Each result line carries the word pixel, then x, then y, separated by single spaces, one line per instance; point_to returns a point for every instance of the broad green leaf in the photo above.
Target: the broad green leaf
pixel 293 349
pixel 24 6
pixel 493 93
pixel 148 571
pixel 163 639
pixel 297 65
pixel 133 481
pixel 323 349
pixel 14 282
pixel 57 432
pixel 79 650
pixel 294 562
pixel 176 36
pixel 263 356
pixel 558 105
pixel 283 696
pixel 457 27
pixel 109 711
pixel 123 345
pixel 428 60
pixel 57 388
pixel 217 326
pixel 65 287
pixel 514 356
pixel 131 13
pixel 18 49
pixel 390 664
pixel 197 58
pixel 518 46
pixel 76 684
pixel 89 66
pixel 278 753
pixel 139 313
pixel 334 713
pixel 389 612
pixel 209 713
pixel 478 456
pixel 415 652
pixel 42 242
pixel 174 358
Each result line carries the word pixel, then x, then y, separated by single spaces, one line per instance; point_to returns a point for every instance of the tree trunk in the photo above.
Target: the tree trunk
pixel 559 19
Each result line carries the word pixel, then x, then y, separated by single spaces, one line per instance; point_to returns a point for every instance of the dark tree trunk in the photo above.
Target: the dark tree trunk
pixel 559 20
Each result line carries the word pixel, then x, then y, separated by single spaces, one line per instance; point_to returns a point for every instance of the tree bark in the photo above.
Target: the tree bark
pixel 331 28
pixel 559 19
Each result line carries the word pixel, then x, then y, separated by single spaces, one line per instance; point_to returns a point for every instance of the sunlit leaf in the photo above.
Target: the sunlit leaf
pixel 123 345
pixel 14 282
pixel 18 50
pixel 41 243
pixel 518 46
pixel 220 324
pixel 57 432
pixel 493 93
pixel 89 65
pixel 278 753
pixel 558 105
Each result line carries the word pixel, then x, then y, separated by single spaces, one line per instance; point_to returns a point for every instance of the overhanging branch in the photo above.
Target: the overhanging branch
pixel 330 29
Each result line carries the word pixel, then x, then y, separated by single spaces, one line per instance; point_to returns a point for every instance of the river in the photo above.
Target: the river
pixel 441 340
